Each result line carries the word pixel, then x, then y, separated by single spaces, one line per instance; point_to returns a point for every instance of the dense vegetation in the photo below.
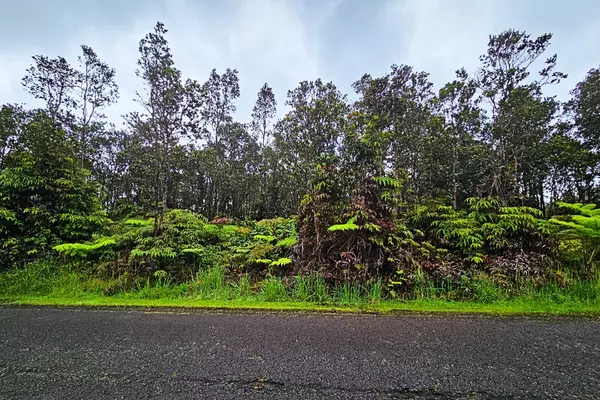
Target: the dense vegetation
pixel 484 190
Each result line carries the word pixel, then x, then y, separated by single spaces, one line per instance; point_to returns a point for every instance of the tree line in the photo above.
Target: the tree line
pixel 490 132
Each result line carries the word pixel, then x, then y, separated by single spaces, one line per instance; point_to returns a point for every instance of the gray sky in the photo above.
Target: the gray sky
pixel 283 42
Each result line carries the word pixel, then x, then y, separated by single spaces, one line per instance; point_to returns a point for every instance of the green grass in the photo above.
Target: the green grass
pixel 514 307
pixel 48 284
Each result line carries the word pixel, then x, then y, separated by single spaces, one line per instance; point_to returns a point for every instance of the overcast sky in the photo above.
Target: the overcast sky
pixel 283 42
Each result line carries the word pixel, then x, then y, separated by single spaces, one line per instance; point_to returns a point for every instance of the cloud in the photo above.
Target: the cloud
pixel 283 42
pixel 440 36
pixel 266 40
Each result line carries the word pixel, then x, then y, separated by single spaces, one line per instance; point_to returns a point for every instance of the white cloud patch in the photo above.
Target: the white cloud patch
pixel 441 36
pixel 282 42
pixel 265 40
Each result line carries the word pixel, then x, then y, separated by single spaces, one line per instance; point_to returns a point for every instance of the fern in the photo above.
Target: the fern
pixel 588 210
pixel 139 222
pixel 195 251
pixel 83 249
pixel 372 227
pixel 287 242
pixel 387 181
pixel 348 226
pixel 155 253
pixel 265 238
pixel 7 215
pixel 281 262
pixel 229 230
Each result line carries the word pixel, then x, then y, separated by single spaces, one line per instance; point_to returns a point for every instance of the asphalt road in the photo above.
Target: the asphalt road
pixel 105 354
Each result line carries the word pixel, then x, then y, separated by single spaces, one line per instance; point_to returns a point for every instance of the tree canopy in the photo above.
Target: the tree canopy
pixel 490 132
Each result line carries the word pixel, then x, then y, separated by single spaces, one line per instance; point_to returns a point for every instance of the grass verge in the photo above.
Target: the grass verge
pixel 512 307
pixel 45 284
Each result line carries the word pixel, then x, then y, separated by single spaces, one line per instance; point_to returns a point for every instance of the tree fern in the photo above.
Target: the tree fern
pixel 155 253
pixel 287 242
pixel 281 262
pixel 139 222
pixel 265 238
pixel 387 181
pixel 195 251
pixel 348 226
pixel 83 249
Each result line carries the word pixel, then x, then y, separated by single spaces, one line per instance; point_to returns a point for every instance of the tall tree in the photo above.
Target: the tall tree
pixel 46 196
pixel 506 86
pixel 402 100
pixel 463 119
pixel 52 80
pixel 166 102
pixel 96 89
pixel 220 93
pixel 582 159
pixel 310 130
pixel 585 109
pixel 264 110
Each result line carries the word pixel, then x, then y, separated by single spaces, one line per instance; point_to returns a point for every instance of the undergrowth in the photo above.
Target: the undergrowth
pixel 47 279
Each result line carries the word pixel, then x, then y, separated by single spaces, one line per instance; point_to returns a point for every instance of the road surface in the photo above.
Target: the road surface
pixel 108 354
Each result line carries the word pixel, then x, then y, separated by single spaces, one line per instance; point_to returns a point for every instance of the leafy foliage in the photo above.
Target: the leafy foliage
pixel 45 197
pixel 401 186
pixel 83 249
pixel 581 225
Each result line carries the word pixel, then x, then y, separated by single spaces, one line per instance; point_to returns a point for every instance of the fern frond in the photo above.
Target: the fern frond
pixel 387 181
pixel 139 222
pixel 265 238
pixel 287 242
pixel 281 262
pixel 348 226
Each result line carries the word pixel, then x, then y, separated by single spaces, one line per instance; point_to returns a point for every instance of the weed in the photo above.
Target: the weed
pixel 311 288
pixel 375 291
pixel 273 289
pixel 243 290
pixel 347 293
pixel 210 284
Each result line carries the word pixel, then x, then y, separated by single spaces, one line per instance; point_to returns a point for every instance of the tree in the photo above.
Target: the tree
pixel 463 120
pixel 166 107
pixel 403 102
pixel 11 121
pixel 74 97
pixel 264 110
pixel 312 129
pixel 520 115
pixel 53 81
pixel 46 196
pixel 97 89
pixel 219 94
pixel 583 110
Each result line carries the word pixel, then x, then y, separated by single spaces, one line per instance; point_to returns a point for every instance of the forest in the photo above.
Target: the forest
pixel 485 190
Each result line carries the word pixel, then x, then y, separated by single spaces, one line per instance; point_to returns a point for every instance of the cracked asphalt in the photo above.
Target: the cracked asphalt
pixel 50 353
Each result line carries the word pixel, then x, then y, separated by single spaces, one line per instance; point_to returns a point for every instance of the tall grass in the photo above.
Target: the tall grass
pixel 311 288
pixel 347 293
pixel 273 289
pixel 160 288
pixel 375 291
pixel 40 278
pixel 243 289
pixel 210 283
pixel 62 281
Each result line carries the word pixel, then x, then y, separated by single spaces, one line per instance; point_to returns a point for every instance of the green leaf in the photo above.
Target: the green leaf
pixel 281 262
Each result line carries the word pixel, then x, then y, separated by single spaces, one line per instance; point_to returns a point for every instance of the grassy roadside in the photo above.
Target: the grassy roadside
pixel 45 284
pixel 512 307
